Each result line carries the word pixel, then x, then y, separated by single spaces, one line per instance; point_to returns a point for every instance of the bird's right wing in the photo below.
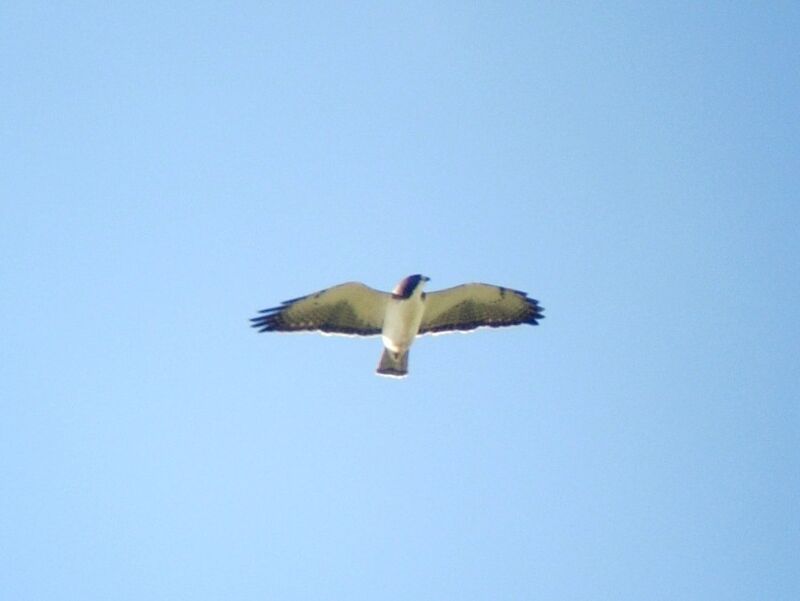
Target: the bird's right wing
pixel 351 309
pixel 472 306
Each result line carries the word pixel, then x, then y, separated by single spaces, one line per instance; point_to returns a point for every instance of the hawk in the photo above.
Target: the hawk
pixel 353 309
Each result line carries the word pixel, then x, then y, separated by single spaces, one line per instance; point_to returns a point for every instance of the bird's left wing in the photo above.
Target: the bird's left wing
pixel 351 309
pixel 474 306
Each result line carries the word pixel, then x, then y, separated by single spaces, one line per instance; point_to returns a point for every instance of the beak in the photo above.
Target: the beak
pixel 425 278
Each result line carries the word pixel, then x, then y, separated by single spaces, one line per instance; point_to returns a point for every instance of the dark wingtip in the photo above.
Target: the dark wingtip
pixel 536 312
pixel 265 323
pixel 266 319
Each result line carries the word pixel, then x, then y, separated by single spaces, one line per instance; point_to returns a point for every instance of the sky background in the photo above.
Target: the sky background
pixel 168 169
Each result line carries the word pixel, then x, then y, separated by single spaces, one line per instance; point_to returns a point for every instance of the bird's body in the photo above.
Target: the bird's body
pixel 402 319
pixel 401 325
pixel 358 310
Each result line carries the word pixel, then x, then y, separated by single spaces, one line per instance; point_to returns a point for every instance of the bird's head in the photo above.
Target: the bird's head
pixel 408 286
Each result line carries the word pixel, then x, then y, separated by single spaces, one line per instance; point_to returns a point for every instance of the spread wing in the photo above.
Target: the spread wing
pixel 473 306
pixel 351 309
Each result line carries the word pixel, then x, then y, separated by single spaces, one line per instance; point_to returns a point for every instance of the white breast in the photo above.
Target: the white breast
pixel 401 324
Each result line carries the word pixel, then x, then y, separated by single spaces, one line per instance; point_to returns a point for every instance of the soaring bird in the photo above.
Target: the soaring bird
pixel 353 309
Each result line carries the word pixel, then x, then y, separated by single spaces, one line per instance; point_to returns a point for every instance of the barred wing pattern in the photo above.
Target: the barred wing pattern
pixel 350 309
pixel 472 306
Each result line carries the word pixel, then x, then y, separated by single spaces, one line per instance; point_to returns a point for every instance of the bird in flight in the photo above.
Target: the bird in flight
pixel 353 309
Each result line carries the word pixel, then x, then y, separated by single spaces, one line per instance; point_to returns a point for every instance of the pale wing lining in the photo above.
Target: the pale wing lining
pixel 350 309
pixel 471 306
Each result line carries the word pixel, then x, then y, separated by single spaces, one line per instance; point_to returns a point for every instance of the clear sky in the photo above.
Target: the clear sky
pixel 168 169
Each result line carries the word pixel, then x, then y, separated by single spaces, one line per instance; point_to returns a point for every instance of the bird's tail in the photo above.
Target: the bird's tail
pixel 394 365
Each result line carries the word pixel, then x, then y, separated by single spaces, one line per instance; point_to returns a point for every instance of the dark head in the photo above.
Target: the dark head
pixel 407 286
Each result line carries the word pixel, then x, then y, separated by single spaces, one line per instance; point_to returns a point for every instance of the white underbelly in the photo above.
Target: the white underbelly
pixel 401 324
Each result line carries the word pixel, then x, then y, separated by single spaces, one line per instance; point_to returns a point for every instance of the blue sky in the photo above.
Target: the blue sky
pixel 167 171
